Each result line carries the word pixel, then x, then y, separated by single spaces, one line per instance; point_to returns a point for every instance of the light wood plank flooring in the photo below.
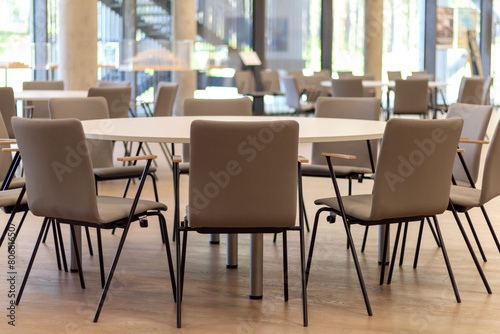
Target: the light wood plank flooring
pixel 216 299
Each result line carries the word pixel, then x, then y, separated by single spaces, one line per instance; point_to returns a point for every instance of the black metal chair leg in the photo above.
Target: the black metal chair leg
pixel 312 242
pixel 403 245
pixel 471 250
pixel 493 234
pixel 433 232
pixel 384 255
pixel 285 267
pixel 365 236
pixel 419 241
pixel 447 261
pixel 183 260
pixel 89 241
pixel 77 256
pixel 19 226
pixel 101 257
pixel 476 238
pixel 163 225
pixel 46 231
pixel 61 246
pixel 394 251
pixel 56 245
pixel 32 259
pixel 303 278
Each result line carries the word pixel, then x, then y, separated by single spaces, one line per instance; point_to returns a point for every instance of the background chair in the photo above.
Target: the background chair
pixel 411 98
pixel 485 97
pixel 244 81
pixel 344 74
pixel 41 108
pixel 117 98
pixel 394 75
pixel 271 82
pixel 471 90
pixel 347 87
pixel 397 197
pixel 293 97
pixel 70 197
pixel 273 169
pixel 8 110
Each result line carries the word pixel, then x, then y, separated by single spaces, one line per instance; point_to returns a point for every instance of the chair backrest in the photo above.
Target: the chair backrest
pixel 86 108
pixel 476 119
pixel 344 74
pixel 5 157
pixel 347 87
pixel 244 81
pixel 414 169
pixel 215 107
pixel 471 90
pixel 270 81
pixel 299 77
pixel 490 187
pixel 411 97
pixel 165 98
pixel 113 84
pixel 41 107
pixel 8 108
pixel 118 99
pixel 228 176
pixel 57 167
pixel 485 97
pixel 367 108
pixel 291 92
pixel 394 75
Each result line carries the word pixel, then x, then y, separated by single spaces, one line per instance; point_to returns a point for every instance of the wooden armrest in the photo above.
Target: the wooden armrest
pixel 147 102
pixel 460 150
pixel 341 156
pixel 303 160
pixel 468 141
pixel 10 149
pixel 8 141
pixel 28 107
pixel 135 105
pixel 142 157
pixel 177 159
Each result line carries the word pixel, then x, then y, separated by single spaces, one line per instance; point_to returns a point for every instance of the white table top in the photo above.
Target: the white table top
pixel 45 95
pixel 177 129
pixel 390 84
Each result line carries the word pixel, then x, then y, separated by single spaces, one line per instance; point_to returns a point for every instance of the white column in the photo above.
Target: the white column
pixel 78 43
pixel 184 29
pixel 374 23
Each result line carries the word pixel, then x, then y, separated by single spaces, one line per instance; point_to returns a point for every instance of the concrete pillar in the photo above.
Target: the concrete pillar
pixel 374 18
pixel 78 43
pixel 184 15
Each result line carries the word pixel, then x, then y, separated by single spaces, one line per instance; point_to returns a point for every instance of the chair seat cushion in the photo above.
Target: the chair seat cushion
pixel 117 208
pixel 357 206
pixel 465 197
pixel 17 182
pixel 125 172
pixel 340 171
pixel 10 196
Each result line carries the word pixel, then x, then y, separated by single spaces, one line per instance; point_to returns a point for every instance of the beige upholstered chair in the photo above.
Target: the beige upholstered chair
pixel 485 97
pixel 67 193
pixel 241 204
pixel 347 87
pixel 293 97
pixel 344 74
pixel 411 97
pixel 113 84
pixel 427 149
pixel 41 107
pixel 471 90
pixel 394 75
pixel 117 98
pixel 8 110
pixel 244 81
pixel 270 82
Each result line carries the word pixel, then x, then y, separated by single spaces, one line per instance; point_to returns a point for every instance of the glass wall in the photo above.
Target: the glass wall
pixel 495 53
pixel 457 22
pixel 403 43
pixel 348 36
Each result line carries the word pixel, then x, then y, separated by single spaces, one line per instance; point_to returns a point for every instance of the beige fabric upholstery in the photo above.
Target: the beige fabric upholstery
pixel 8 198
pixel 59 176
pixel 485 97
pixel 413 171
pixel 113 84
pixel 476 120
pixel 165 98
pixel 344 74
pixel 244 82
pixel 41 107
pixel 270 81
pixel 411 97
pixel 344 107
pixel 118 99
pixel 394 75
pixel 347 87
pixel 471 90
pixel 8 109
pixel 292 95
pixel 234 183
pixel 6 159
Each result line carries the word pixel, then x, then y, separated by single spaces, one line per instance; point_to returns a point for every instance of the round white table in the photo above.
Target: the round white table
pixel 45 95
pixel 177 130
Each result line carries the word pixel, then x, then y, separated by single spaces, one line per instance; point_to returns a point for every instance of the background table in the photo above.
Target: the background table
pixel 177 130
pixel 45 95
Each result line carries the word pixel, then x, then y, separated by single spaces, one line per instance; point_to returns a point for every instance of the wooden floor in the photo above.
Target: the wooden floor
pixel 216 299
